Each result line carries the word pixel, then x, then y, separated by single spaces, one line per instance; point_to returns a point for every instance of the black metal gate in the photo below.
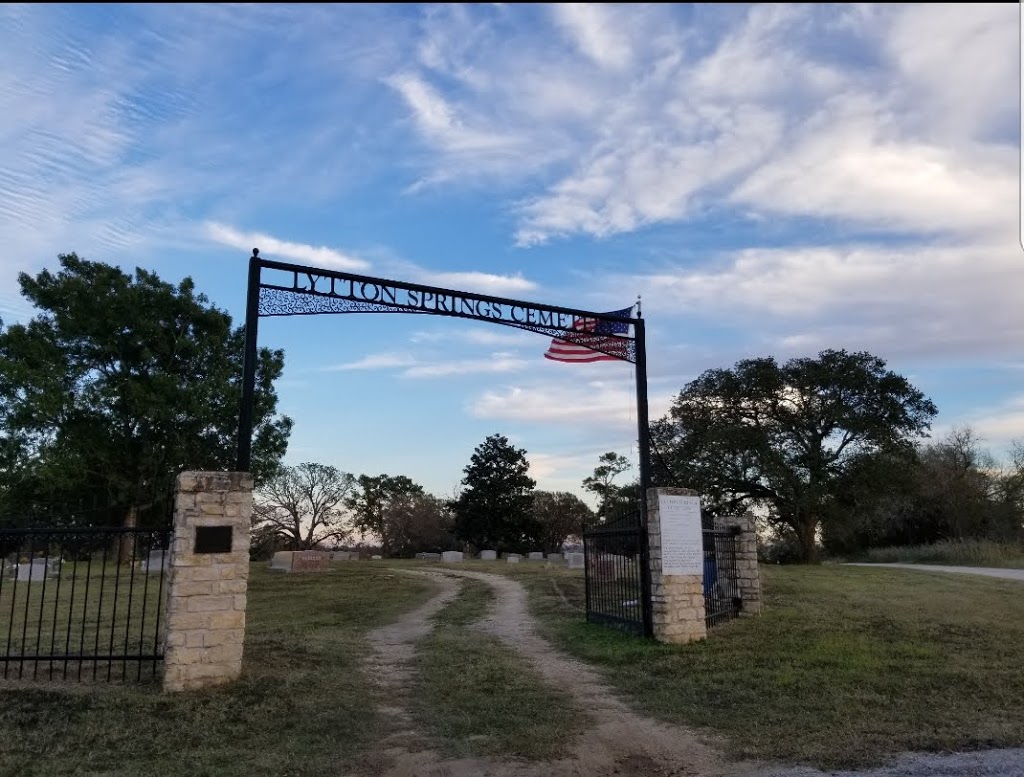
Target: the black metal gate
pixel 617 575
pixel 82 603
pixel 721 593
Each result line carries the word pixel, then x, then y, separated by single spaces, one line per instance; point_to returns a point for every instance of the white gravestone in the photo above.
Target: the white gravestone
pixel 535 556
pixel 32 572
pixel 512 558
pixel 452 557
pixel 282 561
pixel 488 555
pixel 576 560
pixel 156 561
pixel 431 556
pixel 682 543
pixel 376 558
pixel 555 557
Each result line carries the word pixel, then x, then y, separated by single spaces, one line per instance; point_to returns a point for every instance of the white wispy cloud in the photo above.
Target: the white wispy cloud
pixel 586 404
pixel 485 337
pixel 377 361
pixel 274 248
pixel 482 282
pixel 924 300
pixel 408 366
pixel 840 113
pixel 498 363
pixel 596 29
pixel 441 121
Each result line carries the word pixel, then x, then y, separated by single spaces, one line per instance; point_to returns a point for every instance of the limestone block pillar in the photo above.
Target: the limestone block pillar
pixel 207 580
pixel 677 600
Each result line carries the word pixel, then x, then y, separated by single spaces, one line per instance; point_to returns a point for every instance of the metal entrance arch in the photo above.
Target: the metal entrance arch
pixel 296 290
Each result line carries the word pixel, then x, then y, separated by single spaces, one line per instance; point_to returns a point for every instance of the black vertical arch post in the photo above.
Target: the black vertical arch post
pixel 643 443
pixel 250 355
pixel 296 290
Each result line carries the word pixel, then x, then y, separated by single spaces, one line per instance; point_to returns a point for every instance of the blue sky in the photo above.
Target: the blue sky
pixel 772 179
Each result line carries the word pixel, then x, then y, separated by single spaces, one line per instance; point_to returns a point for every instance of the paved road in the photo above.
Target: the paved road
pixel 988 763
pixel 1009 574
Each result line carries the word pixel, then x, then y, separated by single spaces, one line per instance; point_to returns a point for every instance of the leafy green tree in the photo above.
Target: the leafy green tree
pixel 610 465
pixel 418 522
pixel 304 505
pixel 558 516
pixel 120 382
pixel 377 504
pixel 494 509
pixel 785 437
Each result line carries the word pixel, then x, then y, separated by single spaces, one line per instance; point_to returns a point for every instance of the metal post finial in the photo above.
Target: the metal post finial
pixel 639 311
pixel 255 253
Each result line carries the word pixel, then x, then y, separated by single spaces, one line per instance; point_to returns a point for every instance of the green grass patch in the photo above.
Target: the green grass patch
pixel 477 697
pixel 846 666
pixel 967 553
pixel 300 707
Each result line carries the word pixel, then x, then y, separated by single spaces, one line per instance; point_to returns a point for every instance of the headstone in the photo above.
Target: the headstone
pixel 512 558
pixel 377 557
pixel 156 561
pixel 33 571
pixel 488 555
pixel 282 561
pixel 341 555
pixel 431 556
pixel 555 557
pixel 452 557
pixel 535 556
pixel 576 560
pixel 310 561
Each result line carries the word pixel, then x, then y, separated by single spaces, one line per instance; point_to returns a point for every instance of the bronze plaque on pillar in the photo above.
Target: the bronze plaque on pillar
pixel 213 539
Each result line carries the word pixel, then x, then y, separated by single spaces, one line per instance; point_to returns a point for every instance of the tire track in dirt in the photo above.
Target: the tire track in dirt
pixel 618 741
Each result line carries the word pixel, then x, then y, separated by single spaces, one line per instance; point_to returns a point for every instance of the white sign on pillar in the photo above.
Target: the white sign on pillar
pixel 682 543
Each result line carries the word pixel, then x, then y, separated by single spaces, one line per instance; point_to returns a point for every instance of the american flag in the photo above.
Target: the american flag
pixel 594 333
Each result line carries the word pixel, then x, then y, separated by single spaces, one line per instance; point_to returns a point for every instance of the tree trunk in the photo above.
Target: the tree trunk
pixel 125 545
pixel 807 535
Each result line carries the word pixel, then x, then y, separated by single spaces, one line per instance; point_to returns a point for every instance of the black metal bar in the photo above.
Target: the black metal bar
pixel 99 606
pixel 71 604
pixel 28 599
pixel 131 593
pixel 90 657
pixel 252 317
pixel 10 622
pixel 160 600
pixel 56 607
pixel 85 607
pixel 643 442
pixel 113 612
pixel 319 272
pixel 42 602
pixel 87 530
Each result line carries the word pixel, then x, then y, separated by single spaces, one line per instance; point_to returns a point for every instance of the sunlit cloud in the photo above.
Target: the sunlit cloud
pixel 273 248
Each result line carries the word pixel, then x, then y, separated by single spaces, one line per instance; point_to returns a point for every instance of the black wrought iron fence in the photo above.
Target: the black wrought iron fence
pixel 82 603
pixel 721 594
pixel 614 560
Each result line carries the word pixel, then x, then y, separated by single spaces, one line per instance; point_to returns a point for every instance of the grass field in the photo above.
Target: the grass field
pixel 968 553
pixel 846 666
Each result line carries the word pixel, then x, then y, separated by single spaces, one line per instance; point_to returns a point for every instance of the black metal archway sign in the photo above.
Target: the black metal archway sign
pixel 296 290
